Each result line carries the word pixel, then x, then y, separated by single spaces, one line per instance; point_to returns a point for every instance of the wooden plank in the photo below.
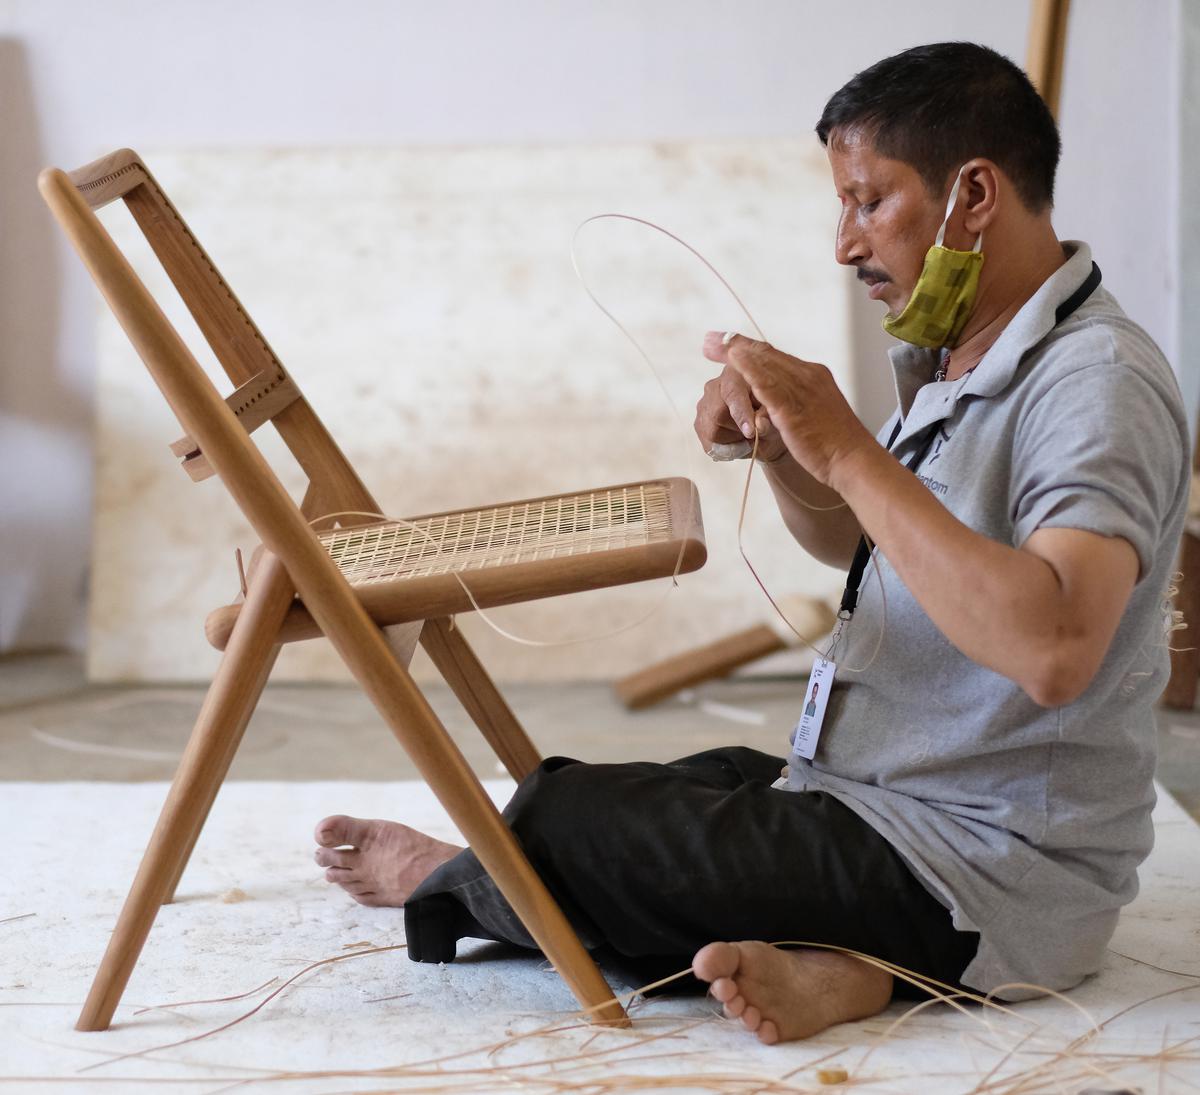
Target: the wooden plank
pixel 692 667
pixel 1047 45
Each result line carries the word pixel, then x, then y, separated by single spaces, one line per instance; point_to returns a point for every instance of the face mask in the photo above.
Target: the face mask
pixel 945 292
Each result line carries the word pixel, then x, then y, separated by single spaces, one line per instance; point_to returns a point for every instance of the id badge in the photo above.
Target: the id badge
pixel 816 696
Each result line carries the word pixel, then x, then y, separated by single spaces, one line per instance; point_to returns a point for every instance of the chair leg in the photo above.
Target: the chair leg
pixel 240 703
pixel 476 691
pixel 226 711
pixel 416 726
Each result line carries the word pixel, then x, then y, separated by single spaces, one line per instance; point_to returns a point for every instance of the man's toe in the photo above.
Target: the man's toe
pixel 714 961
pixel 332 857
pixel 339 830
pixel 723 989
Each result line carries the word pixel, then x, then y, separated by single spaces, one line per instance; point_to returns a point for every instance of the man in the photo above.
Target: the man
pixel 810 708
pixel 977 799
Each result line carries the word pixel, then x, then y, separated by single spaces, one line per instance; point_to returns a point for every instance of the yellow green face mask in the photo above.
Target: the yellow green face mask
pixel 945 292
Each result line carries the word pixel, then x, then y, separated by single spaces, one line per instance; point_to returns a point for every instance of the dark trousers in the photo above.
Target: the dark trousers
pixel 652 861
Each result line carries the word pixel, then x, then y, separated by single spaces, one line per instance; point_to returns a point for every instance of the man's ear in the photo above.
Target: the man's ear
pixel 982 181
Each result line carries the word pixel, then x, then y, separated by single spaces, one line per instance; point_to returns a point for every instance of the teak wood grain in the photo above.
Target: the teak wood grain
pixel 423 597
pixel 294 572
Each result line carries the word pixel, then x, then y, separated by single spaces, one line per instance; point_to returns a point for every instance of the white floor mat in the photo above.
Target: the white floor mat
pixel 253 907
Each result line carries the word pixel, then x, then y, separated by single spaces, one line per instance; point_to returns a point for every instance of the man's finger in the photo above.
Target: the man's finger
pixel 730 348
pixel 725 435
pixel 715 346
pixel 741 407
pixel 753 373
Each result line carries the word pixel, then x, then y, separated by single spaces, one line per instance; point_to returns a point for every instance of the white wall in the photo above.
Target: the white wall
pixel 79 78
pixel 1187 237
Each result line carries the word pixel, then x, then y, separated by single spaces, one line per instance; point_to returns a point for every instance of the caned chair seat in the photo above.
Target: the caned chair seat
pixel 437 564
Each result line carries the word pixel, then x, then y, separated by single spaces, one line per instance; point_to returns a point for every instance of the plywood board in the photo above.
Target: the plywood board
pixel 424 300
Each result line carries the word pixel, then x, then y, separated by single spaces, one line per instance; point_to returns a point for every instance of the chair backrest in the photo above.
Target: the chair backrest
pixel 212 423
pixel 264 391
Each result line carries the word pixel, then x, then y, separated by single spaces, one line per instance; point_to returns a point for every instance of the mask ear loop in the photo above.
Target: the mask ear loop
pixel 941 232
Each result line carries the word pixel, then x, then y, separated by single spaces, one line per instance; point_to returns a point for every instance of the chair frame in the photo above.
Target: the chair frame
pixel 293 561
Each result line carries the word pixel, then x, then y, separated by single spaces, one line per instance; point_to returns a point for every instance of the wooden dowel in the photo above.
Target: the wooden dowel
pixel 255 656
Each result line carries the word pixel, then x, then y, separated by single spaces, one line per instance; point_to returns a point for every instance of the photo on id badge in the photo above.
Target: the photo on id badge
pixel 808 729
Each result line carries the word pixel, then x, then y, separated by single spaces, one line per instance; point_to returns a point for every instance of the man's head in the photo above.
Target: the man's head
pixel 816 685
pixel 898 133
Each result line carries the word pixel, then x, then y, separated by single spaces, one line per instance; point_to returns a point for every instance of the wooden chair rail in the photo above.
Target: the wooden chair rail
pixel 109 178
pixel 445 594
pixel 255 403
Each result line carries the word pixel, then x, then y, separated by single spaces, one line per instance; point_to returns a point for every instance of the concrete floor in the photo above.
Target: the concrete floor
pixel 55 726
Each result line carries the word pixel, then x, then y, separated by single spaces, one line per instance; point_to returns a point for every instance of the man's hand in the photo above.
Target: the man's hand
pixel 727 413
pixel 806 413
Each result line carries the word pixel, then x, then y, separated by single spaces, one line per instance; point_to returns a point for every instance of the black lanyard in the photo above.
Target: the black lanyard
pixel 862 553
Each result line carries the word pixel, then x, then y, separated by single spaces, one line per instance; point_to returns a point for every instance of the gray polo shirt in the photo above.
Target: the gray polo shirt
pixel 1027 822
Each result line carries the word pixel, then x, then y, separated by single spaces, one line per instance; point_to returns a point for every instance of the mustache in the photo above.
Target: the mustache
pixel 865 272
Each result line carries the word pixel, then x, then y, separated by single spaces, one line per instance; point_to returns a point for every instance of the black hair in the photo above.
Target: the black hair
pixel 935 107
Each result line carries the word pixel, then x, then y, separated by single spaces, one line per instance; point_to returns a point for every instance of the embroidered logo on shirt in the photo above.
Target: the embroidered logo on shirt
pixel 936 485
pixel 933 484
pixel 940 440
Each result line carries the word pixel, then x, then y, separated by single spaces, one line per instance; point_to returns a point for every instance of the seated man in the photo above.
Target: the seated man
pixel 976 801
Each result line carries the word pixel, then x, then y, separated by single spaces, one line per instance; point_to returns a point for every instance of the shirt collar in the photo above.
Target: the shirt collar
pixel 914 366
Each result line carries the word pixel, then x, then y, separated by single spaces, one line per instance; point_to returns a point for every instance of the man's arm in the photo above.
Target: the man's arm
pixel 820 519
pixel 816 516
pixel 1042 615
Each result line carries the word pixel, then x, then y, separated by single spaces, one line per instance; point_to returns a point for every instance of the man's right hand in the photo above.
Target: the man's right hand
pixel 727 413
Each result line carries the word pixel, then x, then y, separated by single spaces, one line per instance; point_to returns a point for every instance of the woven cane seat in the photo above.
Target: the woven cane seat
pixel 433 565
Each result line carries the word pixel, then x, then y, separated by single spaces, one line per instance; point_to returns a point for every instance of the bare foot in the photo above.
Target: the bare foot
pixel 784 995
pixel 377 862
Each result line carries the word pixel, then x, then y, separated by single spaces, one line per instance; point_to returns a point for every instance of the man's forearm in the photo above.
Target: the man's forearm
pixel 817 517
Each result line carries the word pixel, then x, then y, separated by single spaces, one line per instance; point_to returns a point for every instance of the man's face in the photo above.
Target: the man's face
pixel 888 219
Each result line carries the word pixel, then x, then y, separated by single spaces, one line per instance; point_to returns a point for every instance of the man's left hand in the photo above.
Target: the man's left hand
pixel 801 398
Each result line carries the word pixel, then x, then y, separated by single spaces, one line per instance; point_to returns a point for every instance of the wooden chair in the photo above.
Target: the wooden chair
pixel 351 579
